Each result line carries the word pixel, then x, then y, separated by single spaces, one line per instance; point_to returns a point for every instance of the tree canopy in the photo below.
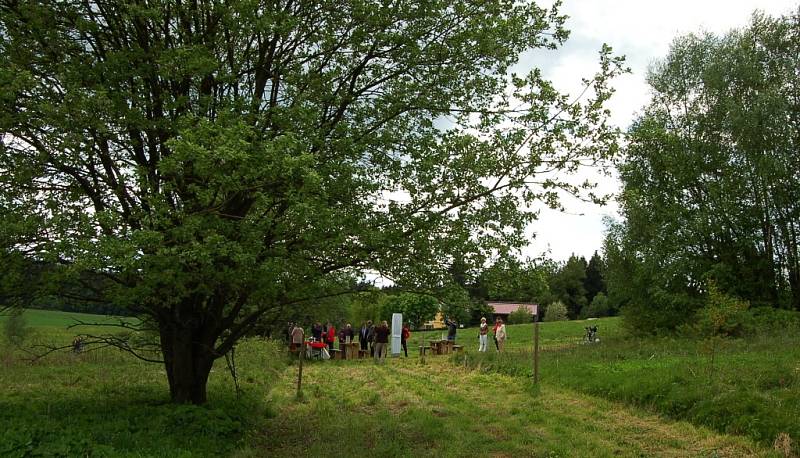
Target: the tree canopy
pixel 416 308
pixel 215 161
pixel 710 177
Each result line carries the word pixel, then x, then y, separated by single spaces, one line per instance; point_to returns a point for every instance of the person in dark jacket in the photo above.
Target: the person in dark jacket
pixel 344 333
pixel 288 336
pixel 381 341
pixel 316 331
pixel 452 326
pixel 363 334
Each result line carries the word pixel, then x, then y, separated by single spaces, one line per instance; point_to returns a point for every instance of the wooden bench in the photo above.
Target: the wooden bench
pixel 458 348
pixel 363 354
pixel 424 349
pixel 336 354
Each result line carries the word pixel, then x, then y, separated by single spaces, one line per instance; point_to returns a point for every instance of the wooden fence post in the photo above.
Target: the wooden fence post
pixel 536 349
pixel 422 346
pixel 300 371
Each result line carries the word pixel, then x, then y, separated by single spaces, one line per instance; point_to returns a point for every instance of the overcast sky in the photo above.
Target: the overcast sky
pixel 642 30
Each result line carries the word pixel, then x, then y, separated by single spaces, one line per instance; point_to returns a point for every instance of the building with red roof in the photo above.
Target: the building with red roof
pixel 503 309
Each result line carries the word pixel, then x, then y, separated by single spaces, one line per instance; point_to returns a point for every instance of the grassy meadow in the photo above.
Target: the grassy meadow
pixel 552 335
pixel 621 397
pixel 748 387
pixel 106 403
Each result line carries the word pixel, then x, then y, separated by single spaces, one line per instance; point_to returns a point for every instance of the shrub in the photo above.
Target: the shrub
pixel 723 315
pixel 556 311
pixel 659 311
pixel 769 320
pixel 520 316
pixel 16 328
pixel 599 307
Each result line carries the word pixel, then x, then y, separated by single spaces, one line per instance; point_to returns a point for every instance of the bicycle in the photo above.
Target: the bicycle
pixel 591 335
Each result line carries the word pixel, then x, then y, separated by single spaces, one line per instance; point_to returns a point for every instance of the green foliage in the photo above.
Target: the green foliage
pixel 205 164
pixel 594 282
pixel 367 305
pixel 775 322
pixel 455 304
pixel 507 279
pixel 520 316
pixel 556 311
pixel 15 327
pixel 479 309
pixel 567 285
pixel 699 177
pixel 513 280
pixel 416 308
pixel 723 315
pixel 599 307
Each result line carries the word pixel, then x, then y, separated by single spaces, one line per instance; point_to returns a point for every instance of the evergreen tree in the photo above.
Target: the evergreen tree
pixel 593 282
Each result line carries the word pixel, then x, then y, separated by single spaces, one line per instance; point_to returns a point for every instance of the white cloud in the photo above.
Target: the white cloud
pixel 641 30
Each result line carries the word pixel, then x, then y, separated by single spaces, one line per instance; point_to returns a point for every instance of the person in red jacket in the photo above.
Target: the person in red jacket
pixel 405 334
pixel 330 337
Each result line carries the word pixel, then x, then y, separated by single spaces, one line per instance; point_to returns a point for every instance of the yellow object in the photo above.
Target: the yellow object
pixel 436 323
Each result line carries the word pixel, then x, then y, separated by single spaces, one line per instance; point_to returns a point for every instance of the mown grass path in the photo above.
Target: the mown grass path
pixel 439 409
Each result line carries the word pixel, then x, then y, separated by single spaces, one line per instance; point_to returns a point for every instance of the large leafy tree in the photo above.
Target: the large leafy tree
pixel 214 161
pixel 710 175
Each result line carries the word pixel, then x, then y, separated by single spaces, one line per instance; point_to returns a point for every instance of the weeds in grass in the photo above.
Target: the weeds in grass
pixel 756 389
pixel 783 445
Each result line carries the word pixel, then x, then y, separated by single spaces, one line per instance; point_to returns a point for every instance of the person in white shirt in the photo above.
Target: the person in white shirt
pixel 483 335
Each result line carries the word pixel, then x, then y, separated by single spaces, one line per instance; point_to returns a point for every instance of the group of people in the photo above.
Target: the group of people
pixel 374 338
pixel 498 333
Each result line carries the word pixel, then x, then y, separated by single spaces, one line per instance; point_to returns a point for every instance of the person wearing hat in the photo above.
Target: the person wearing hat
pixel 483 335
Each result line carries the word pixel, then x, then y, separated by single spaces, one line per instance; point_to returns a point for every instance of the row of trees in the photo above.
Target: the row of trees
pixel 711 178
pixel 577 284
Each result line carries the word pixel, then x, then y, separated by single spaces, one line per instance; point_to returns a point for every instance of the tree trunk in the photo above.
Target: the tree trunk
pixel 188 361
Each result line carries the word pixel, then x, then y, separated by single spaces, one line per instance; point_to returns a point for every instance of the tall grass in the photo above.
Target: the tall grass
pixel 752 388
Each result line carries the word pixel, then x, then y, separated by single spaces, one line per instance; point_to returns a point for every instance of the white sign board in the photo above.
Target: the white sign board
pixel 397 331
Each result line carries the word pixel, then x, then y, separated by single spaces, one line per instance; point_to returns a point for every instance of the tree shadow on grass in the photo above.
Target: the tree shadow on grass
pixel 135 421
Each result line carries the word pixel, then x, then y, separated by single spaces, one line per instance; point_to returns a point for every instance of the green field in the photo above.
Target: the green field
pixel 748 387
pixel 106 403
pixel 622 397
pixel 552 335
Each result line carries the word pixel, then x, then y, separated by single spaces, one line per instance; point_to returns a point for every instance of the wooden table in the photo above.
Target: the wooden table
pixel 351 350
pixel 441 347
